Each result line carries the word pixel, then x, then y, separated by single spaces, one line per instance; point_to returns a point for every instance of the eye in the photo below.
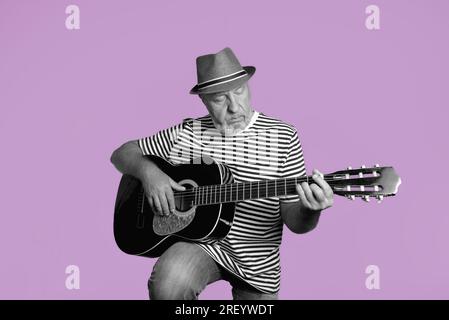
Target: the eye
pixel 239 90
pixel 219 98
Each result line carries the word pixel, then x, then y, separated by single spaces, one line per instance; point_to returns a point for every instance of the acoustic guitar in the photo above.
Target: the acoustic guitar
pixel 205 210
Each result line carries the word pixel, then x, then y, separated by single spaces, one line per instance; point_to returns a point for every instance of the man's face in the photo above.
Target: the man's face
pixel 230 110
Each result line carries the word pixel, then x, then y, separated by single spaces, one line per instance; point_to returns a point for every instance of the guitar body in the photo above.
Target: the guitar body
pixel 138 231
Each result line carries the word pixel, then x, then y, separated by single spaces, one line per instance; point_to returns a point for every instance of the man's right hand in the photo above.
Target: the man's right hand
pixel 159 188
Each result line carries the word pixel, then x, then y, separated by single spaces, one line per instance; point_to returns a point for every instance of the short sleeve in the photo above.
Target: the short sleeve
pixel 161 143
pixel 294 164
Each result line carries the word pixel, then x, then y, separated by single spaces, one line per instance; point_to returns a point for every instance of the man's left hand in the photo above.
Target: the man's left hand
pixel 318 196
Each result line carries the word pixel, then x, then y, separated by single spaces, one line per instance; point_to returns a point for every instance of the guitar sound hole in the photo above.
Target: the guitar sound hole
pixel 184 199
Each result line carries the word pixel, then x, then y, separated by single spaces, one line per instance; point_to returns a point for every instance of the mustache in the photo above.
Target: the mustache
pixel 236 120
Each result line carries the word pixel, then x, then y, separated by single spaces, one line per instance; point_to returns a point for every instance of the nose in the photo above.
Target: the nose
pixel 232 104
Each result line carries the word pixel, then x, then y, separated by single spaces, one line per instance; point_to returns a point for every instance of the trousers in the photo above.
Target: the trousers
pixel 184 270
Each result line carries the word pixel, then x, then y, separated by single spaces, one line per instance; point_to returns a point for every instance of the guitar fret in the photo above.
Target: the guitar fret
pixel 236 192
pixel 210 194
pixel 258 190
pixel 250 191
pixel 266 188
pixel 247 194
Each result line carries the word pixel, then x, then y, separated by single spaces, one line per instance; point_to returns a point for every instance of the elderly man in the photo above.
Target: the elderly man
pixel 248 257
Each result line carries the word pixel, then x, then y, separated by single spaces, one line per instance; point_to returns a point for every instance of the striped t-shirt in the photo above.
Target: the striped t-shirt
pixel 266 149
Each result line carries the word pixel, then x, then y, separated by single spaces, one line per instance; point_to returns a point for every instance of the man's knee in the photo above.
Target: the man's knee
pixel 172 286
pixel 181 273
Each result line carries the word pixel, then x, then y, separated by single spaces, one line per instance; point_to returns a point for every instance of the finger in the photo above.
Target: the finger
pixel 170 200
pixel 164 203
pixel 150 202
pixel 316 171
pixel 308 193
pixel 149 199
pixel 318 193
pixel 302 195
pixel 318 178
pixel 175 185
pixel 157 204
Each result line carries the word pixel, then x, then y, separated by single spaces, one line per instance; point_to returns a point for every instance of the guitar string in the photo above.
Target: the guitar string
pixel 208 191
pixel 210 199
pixel 280 182
pixel 245 190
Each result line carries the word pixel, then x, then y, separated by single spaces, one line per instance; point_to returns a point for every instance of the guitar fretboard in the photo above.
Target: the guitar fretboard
pixel 234 192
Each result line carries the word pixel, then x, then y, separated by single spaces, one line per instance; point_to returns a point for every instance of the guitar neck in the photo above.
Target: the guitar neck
pixel 234 192
pixel 365 182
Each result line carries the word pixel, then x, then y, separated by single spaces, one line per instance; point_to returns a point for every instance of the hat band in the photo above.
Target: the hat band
pixel 221 80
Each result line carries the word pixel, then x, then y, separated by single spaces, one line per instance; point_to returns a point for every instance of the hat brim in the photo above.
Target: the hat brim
pixel 250 70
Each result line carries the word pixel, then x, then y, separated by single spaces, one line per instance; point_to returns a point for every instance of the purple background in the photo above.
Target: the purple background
pixel 69 98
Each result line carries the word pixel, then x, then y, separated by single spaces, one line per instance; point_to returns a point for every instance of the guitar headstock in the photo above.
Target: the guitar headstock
pixel 377 182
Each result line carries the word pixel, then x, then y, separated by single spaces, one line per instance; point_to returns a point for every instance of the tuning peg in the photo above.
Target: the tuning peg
pixel 351 197
pixel 366 198
pixel 379 198
pixel 361 173
pixel 347 176
pixel 375 174
pixel 362 188
pixel 363 166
